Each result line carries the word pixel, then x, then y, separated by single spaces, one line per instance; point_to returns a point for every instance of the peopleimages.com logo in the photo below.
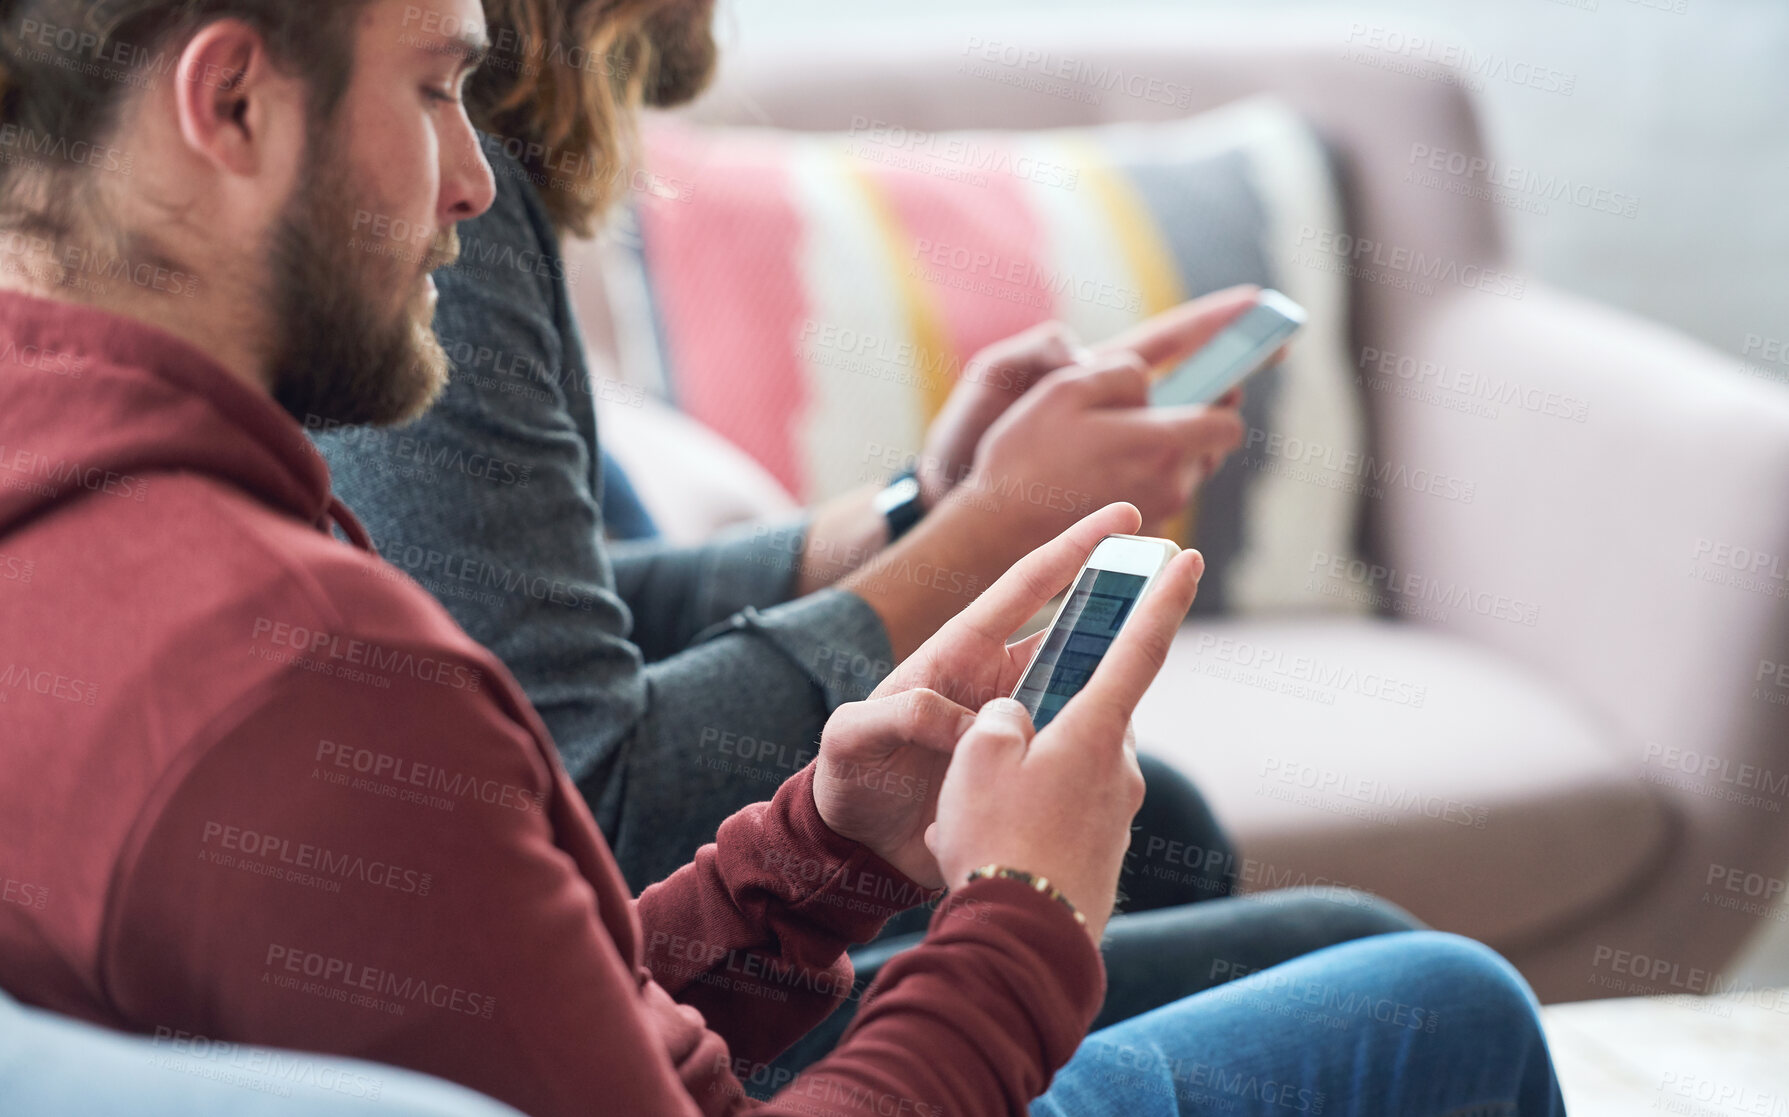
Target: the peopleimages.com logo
pixel 1366 258
pixel 333 654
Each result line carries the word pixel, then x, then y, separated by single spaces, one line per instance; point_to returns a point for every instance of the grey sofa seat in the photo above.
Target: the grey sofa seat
pixel 1409 763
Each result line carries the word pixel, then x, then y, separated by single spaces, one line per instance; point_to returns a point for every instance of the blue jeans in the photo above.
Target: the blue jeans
pixel 1153 958
pixel 1417 1024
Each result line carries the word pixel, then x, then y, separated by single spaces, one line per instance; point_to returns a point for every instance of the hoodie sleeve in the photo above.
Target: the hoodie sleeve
pixel 753 931
pixel 974 1020
pixel 977 1019
pixel 384 861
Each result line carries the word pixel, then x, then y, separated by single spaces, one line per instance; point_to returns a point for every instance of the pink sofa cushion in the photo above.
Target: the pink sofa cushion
pixel 817 297
pixel 1398 760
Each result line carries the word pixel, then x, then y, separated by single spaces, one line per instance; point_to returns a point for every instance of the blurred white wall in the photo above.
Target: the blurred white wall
pixel 1681 104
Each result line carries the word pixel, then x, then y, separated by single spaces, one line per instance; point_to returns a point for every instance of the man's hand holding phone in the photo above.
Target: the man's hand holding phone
pixel 1058 802
pixel 1037 432
pixel 1067 428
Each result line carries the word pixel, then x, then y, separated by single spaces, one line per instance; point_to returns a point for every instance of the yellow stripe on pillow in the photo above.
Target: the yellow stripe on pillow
pixel 1145 249
pixel 935 363
pixel 1140 240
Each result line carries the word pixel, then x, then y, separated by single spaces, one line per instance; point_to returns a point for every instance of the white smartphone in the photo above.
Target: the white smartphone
pixel 1242 349
pixel 1104 595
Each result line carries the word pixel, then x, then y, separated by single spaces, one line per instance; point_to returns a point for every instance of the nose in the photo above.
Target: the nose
pixel 467 186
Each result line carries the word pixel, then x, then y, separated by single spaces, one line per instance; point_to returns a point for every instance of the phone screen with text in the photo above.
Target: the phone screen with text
pixel 1096 609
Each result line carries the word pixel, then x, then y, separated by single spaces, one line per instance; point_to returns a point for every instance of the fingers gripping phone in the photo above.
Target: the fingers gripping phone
pixel 1104 595
pixel 1239 351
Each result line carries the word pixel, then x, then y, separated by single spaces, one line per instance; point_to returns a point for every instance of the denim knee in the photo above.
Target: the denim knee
pixel 1451 975
pixel 1437 1022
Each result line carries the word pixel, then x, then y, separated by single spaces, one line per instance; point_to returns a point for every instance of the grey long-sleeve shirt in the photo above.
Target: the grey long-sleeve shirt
pixel 679 683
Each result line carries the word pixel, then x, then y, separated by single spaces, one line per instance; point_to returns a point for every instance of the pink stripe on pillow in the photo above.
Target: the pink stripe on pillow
pixel 737 228
pixel 975 251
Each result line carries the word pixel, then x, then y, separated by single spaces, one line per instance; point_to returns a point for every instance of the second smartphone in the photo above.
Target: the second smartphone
pixel 1240 350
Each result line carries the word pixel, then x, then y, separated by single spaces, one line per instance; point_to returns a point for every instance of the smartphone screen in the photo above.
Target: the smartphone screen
pixel 1096 609
pixel 1238 351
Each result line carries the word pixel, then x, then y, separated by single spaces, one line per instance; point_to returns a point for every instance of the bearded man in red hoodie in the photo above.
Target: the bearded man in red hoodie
pixel 258 786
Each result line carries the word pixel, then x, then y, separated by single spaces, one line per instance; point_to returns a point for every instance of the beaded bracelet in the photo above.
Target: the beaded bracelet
pixel 1001 872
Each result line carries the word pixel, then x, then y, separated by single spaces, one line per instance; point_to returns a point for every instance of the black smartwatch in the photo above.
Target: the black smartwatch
pixel 900 504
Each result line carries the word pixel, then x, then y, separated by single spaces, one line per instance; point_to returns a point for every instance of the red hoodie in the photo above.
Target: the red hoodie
pixel 258 786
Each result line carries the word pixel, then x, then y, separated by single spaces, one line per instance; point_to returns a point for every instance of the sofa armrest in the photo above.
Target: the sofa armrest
pixel 1616 472
pixel 1630 493
pixel 1650 546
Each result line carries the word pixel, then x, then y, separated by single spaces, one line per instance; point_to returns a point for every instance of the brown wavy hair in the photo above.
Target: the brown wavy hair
pixel 561 91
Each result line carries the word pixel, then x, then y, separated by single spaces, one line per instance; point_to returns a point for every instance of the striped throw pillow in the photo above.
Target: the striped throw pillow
pixel 815 295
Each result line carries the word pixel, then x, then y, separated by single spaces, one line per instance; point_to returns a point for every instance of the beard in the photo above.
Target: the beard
pixel 335 357
pixel 684 52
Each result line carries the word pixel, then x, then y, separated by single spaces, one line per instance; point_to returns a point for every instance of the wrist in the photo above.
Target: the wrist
pixel 900 505
pixel 897 878
pixel 1030 880
pixel 976 885
pixel 935 481
pixel 929 576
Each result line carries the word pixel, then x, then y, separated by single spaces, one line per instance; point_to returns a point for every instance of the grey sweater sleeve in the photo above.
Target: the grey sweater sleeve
pixel 490 501
pixel 677 592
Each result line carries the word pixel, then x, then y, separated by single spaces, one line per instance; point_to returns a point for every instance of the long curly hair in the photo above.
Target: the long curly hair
pixel 561 90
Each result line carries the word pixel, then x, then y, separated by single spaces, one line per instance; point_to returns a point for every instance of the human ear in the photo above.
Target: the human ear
pixel 227 94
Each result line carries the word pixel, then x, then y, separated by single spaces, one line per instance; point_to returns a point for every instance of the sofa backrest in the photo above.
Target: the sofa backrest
pixel 1379 112
pixel 1384 117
